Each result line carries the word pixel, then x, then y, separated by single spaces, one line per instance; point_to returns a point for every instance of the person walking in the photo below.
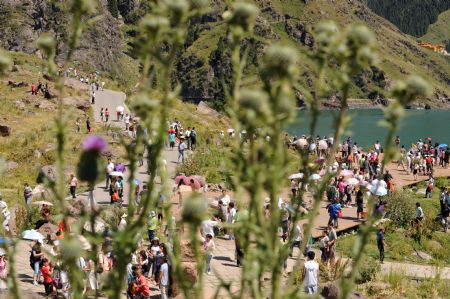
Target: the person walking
pixel 172 140
pixel 311 274
pixel 193 137
pixel 35 260
pixel 164 278
pixel 126 120
pixel 101 114
pixel 88 125
pixel 380 243
pixel 3 273
pixel 152 226
pixel 209 247
pixel 109 169
pixel 181 148
pixel 27 194
pixel 106 115
pixel 332 238
pixel 73 184
pixel 78 124
pixel 46 271
pixel 93 98
pixel 324 246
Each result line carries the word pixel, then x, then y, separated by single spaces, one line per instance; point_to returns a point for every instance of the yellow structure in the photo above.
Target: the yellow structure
pixel 435 48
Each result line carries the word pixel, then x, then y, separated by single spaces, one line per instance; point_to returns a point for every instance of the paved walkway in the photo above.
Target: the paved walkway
pixel 415 270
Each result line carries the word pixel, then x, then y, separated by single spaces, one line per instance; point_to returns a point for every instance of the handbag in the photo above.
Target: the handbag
pixel 340 214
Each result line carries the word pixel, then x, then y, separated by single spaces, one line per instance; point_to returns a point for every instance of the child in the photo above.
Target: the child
pixel 209 247
pixel 324 246
pixel 46 271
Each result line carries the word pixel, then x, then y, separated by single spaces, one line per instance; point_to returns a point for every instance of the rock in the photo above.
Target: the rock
pixel 5 130
pixel 16 68
pixel 76 84
pixel 19 104
pixel 45 105
pixel 203 108
pixel 332 290
pixel 49 147
pixel 191 275
pixel 107 153
pixel 423 255
pixel 48 77
pixel 17 84
pixel 46 172
pixel 434 245
pixel 378 287
pixel 78 102
pixel 297 30
pixel 10 165
pixel 187 255
pixel 427 107
pixel 37 153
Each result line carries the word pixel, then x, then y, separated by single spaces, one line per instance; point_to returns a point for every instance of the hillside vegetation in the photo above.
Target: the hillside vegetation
pixel 439 32
pixel 410 16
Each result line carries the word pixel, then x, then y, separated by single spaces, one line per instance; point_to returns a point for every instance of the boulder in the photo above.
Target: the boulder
pixel 37 153
pixel 19 105
pixel 45 105
pixel 423 255
pixel 46 172
pixel 377 287
pixel 5 130
pixel 78 102
pixel 17 84
pixel 332 290
pixel 76 84
pixel 203 108
pixel 10 165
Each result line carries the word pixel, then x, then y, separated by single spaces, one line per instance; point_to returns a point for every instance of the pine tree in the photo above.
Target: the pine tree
pixel 113 8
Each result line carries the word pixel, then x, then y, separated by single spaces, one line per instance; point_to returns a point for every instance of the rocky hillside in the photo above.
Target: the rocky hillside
pixel 204 63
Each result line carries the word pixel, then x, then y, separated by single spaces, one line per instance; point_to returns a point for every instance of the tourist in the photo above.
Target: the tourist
pixel 127 122
pixel 122 223
pixel 172 140
pixel 193 137
pixel 296 239
pixel 35 260
pixel 377 147
pixel 311 274
pixel 142 284
pixel 152 225
pixel 164 279
pixel 46 271
pixel 27 194
pixel 324 246
pixel 333 211
pixel 93 98
pixel 381 243
pixel 187 134
pixel 221 211
pixel 208 247
pixel 359 203
pixel 78 125
pixel 106 114
pixel 445 216
pixel 109 169
pixel 88 125
pixel 332 238
pixel 3 273
pixel 294 186
pixel 284 218
pixel 181 148
pixel 73 184
pixel 101 114
pixel 208 226
pixel 231 219
pixel 419 214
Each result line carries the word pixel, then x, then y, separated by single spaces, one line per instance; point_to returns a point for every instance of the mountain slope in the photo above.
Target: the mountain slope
pixel 439 32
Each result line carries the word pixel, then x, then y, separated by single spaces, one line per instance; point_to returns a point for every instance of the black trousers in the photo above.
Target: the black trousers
pixel 381 250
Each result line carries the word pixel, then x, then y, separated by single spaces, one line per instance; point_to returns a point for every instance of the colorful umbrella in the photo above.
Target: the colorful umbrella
pixel 345 172
pixel 117 173
pixel 42 203
pixel 32 235
pixel 442 145
pixel 314 177
pixel 120 167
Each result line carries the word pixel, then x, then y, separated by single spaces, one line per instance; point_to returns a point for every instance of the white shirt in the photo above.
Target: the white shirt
pixel 122 224
pixel 182 146
pixel 231 215
pixel 312 268
pixel 225 200
pixel 208 227
pixel 110 167
pixel 154 249
pixel 297 234
pixel 165 274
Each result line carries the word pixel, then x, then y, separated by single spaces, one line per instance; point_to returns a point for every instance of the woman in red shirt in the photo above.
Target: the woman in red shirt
pixel 46 271
pixel 143 289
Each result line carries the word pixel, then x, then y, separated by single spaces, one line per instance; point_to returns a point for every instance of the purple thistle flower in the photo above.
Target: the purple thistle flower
pixel 94 143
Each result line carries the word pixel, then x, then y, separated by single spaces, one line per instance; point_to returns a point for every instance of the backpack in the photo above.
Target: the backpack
pixel 193 134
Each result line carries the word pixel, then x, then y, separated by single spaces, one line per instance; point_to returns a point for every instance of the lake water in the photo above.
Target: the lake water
pixel 365 129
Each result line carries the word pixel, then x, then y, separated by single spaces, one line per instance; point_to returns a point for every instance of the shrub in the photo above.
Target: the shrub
pixel 367 270
pixel 441 182
pixel 400 209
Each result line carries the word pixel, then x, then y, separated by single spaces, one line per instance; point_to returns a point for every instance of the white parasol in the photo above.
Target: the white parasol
pixel 32 235
pixel 230 130
pixel 120 109
pixel 323 145
pixel 345 172
pixel 315 177
pixel 99 226
pixel 116 173
pixel 352 181
pixel 296 176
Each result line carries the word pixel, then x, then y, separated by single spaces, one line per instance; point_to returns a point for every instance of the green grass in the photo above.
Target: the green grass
pixel 439 32
pixel 400 245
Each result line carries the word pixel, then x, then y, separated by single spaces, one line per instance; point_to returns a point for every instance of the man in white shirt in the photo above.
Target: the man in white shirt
pixel 296 239
pixel 181 148
pixel 187 133
pixel 207 227
pixel 109 169
pixel 311 274
pixel 164 279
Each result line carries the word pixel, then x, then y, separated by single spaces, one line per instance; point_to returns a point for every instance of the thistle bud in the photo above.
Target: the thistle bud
pixel 254 109
pixel 46 43
pixel 71 249
pixel 243 16
pixel 5 62
pixel 414 87
pixel 143 105
pixel 194 211
pixel 88 165
pixel 197 4
pixel 360 35
pixel 366 56
pixel 153 23
pixel 83 6
pixel 178 7
pixel 280 61
pixel 326 33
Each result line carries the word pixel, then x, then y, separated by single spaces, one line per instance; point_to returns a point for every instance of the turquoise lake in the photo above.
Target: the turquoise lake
pixel 365 128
